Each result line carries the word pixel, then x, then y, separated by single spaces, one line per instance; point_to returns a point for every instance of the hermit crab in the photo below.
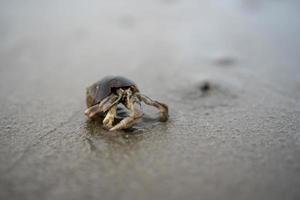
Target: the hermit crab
pixel 104 96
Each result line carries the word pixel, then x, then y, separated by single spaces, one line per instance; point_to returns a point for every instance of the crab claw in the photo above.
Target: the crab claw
pixel 92 111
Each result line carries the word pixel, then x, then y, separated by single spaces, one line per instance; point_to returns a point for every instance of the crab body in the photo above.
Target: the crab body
pixel 103 97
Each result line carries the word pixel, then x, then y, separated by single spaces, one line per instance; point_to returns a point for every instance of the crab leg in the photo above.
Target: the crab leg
pixel 103 106
pixel 110 117
pixel 134 106
pixel 163 108
pixel 112 101
pixel 92 111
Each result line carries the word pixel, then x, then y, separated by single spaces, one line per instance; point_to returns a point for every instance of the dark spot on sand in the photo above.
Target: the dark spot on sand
pixel 205 86
pixel 225 61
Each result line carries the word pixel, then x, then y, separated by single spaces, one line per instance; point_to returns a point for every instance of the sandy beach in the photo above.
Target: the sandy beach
pixel 229 71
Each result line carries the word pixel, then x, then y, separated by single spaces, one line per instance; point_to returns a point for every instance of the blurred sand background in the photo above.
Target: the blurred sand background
pixel 238 140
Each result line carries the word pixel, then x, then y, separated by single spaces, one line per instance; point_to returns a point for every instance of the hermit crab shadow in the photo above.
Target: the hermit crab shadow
pixel 110 144
pixel 100 140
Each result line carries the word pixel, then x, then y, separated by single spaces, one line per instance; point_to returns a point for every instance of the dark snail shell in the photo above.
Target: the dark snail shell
pixel 105 87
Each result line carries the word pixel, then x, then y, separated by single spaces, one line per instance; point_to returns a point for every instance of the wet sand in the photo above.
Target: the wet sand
pixel 228 71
